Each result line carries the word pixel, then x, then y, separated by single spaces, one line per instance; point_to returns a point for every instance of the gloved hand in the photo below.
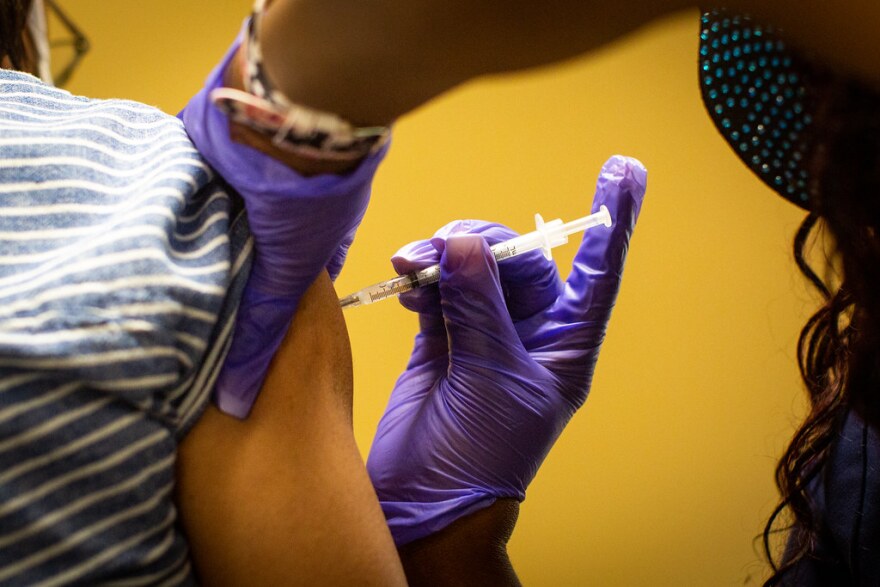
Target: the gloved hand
pixel 300 225
pixel 504 357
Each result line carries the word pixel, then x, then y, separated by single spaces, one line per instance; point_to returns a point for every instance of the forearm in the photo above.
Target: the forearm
pixel 471 551
pixel 372 61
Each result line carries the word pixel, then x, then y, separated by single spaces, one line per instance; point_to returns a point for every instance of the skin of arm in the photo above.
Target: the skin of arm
pixel 472 551
pixel 388 57
pixel 283 498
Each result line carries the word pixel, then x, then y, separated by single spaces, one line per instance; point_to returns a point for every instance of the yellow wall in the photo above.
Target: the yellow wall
pixel 665 476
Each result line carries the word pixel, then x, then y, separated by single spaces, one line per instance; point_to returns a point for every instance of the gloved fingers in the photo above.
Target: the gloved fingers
pixel 431 340
pixel 415 256
pixel 531 284
pixel 301 230
pixel 591 288
pixel 286 265
pixel 530 281
pixel 420 254
pixel 334 266
pixel 478 324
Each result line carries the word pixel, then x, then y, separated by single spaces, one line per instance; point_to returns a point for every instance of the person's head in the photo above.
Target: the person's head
pixel 813 136
pixel 24 44
pixel 16 46
pixel 839 348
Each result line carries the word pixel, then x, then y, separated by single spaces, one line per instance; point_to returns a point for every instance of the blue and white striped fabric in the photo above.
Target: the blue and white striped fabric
pixel 121 257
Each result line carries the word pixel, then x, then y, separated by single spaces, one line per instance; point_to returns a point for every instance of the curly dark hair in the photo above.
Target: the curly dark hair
pixel 13 21
pixel 839 348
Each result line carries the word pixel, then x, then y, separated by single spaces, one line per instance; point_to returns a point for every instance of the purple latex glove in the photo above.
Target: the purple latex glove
pixel 301 225
pixel 499 366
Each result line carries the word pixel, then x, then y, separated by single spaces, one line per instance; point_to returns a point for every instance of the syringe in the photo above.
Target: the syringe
pixel 545 236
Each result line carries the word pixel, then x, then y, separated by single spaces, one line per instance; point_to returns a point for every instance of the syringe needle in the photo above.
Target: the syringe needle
pixel 546 236
pixel 351 301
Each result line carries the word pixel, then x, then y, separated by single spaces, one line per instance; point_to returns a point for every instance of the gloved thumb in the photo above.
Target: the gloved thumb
pixel 478 323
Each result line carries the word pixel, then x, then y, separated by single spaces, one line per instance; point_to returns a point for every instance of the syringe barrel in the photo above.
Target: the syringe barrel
pixel 394 286
pixel 426 276
pixel 517 246
pixel 398 285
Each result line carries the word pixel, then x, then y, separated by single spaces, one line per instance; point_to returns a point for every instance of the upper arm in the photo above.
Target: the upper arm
pixel 283 497
pixel 371 62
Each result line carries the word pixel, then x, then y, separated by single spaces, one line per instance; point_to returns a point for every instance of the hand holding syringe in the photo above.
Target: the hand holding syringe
pixel 504 358
pixel 545 236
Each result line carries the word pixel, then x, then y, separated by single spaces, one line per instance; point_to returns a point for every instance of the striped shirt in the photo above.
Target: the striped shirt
pixel 122 257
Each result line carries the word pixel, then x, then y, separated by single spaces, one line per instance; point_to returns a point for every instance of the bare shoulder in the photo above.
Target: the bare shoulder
pixel 283 497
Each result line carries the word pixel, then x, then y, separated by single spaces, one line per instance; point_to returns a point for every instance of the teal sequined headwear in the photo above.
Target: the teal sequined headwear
pixel 759 96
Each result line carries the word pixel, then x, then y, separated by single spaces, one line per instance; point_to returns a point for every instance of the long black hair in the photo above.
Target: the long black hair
pixel 13 21
pixel 839 348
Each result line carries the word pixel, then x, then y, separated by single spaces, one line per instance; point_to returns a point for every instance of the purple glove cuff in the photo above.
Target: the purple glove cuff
pixel 339 200
pixel 247 169
pixel 410 521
